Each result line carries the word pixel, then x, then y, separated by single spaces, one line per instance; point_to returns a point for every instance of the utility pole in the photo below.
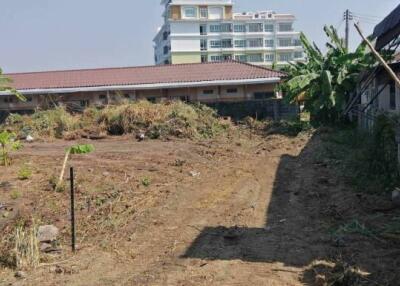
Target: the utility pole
pixel 347 17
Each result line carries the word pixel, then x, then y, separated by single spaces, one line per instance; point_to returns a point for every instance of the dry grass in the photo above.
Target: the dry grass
pixel 155 120
pixel 27 252
pixel 20 247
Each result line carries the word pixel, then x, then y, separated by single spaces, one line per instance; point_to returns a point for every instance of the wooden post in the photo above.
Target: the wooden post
pixel 378 56
pixel 73 231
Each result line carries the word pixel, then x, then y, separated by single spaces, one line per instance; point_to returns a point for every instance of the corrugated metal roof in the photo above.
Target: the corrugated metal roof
pixel 221 71
pixel 388 24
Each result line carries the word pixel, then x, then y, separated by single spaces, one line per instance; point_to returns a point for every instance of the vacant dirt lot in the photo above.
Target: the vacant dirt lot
pixel 237 211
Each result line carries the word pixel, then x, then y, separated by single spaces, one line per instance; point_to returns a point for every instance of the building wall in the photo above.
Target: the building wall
pixel 185 36
pixel 185 58
pixel 76 101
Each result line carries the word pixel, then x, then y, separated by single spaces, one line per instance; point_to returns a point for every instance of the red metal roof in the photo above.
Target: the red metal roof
pixel 167 74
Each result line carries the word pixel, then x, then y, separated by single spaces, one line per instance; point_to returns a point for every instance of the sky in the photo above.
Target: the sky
pixel 38 35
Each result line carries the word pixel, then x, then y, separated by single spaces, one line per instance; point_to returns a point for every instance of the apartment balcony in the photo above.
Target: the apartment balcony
pixel 287 33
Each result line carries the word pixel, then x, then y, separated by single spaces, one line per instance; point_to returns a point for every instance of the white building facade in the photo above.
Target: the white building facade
pixel 196 31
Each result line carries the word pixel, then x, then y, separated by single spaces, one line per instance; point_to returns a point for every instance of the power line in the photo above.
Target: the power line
pixel 368 16
pixel 365 20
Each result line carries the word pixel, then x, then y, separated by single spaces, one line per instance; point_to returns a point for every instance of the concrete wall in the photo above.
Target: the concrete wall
pixel 184 58
pixel 186 45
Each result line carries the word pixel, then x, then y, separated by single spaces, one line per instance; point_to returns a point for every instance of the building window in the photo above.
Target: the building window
pixel 208 91
pixel 203 12
pixel 226 28
pixel 297 43
pixel 264 95
pixel 255 58
pixel 215 44
pixel 240 43
pixel 28 98
pixel 166 50
pixel 169 13
pixel 298 55
pixel 255 27
pixel 240 28
pixel 204 58
pixel 232 90
pixel 190 12
pixel 269 28
pixel 203 44
pixel 392 95
pixel 215 28
pixel 102 96
pixel 285 57
pixel 285 42
pixel 216 58
pixel 269 57
pixel 165 35
pixel 226 43
pixel 8 99
pixel 285 27
pixel 241 58
pixel 216 13
pixel 227 57
pixel 269 43
pixel 203 29
pixel 255 43
pixel 84 103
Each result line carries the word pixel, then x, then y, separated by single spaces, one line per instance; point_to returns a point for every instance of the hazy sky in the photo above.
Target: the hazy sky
pixel 65 34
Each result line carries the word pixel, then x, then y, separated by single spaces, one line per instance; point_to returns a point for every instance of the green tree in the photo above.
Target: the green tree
pixel 325 81
pixel 8 143
pixel 5 86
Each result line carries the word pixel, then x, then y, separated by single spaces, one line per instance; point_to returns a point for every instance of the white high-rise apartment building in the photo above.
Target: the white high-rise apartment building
pixel 197 31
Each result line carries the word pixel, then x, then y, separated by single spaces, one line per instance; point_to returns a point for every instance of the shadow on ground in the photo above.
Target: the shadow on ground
pixel 296 231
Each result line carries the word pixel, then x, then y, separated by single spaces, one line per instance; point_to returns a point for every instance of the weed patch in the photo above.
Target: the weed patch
pixel 155 120
pixel 367 161
pixel 24 173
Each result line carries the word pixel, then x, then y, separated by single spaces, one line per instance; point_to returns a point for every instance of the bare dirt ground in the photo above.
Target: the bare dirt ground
pixel 238 211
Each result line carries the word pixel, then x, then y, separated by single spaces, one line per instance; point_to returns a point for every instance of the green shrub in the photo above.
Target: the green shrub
pixel 8 143
pixel 368 160
pixel 15 195
pixel 146 182
pixel 24 173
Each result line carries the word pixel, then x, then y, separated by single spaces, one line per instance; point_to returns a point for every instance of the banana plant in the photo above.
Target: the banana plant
pixel 326 80
pixel 5 86
pixel 7 145
pixel 73 150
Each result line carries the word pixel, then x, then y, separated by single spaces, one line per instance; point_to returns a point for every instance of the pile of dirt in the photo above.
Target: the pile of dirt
pixel 153 120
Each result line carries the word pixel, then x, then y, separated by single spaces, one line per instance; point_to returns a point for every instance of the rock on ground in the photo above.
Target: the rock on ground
pixel 47 233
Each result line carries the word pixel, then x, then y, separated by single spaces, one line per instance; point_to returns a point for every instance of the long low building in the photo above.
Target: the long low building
pixel 208 83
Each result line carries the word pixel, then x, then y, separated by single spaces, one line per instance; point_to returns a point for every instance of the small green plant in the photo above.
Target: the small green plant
pixel 8 143
pixel 15 195
pixel 354 227
pixel 146 182
pixel 73 150
pixel 24 173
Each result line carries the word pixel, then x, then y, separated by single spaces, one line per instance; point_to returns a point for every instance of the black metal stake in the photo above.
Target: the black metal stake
pixel 73 233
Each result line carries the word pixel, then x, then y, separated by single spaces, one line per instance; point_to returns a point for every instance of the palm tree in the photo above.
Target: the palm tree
pixel 5 86
pixel 325 81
